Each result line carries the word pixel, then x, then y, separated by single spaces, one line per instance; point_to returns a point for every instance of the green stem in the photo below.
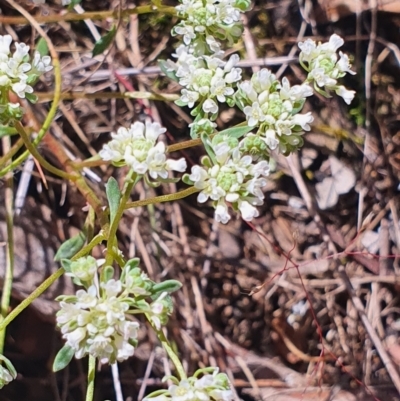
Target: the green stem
pixel 130 182
pixel 9 273
pixel 163 198
pixel 35 294
pixel 34 152
pixel 87 248
pixel 91 376
pixel 174 358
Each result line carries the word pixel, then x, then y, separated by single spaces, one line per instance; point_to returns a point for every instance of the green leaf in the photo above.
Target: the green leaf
pixel 66 264
pixel 70 247
pixel 31 97
pixel 208 148
pixel 298 105
pixel 32 79
pixel 104 42
pixel 73 4
pixel 6 131
pixel 63 358
pixel 164 69
pixel 180 103
pixel 166 286
pixel 42 47
pixel 237 132
pixel 132 263
pixel 113 196
pixel 108 273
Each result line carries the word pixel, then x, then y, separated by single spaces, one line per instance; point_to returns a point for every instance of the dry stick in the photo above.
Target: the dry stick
pixel 368 73
pixel 93 15
pixel 146 376
pixel 371 332
pixel 249 44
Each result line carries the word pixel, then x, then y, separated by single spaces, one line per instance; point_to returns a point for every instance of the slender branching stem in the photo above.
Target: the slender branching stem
pixel 91 376
pixel 163 198
pixel 9 268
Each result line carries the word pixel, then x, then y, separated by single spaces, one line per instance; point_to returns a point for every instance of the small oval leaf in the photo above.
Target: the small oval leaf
pixel 166 286
pixel 113 196
pixel 42 47
pixel 237 132
pixel 164 68
pixel 63 358
pixel 104 42
pixel 70 247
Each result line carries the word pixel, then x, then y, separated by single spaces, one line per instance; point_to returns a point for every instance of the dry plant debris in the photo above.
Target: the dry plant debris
pixel 285 305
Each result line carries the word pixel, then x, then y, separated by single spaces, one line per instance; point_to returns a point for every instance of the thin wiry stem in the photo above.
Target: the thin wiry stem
pixel 9 273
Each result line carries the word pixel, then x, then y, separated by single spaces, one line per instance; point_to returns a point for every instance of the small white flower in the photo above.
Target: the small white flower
pixel 344 64
pixel 189 97
pixel 303 120
pixel 209 106
pixel 321 78
pixel 335 41
pixel 41 64
pixel 221 395
pixel 308 50
pixel 5 42
pixel 247 211
pixel 75 338
pixel 254 114
pixel 21 50
pixel 21 88
pixel 270 139
pixel 187 31
pixel 346 94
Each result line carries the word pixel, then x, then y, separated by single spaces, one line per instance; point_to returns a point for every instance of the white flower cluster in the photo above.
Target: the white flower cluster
pixel 17 73
pixel 210 387
pixel 324 67
pixel 16 68
pixel 137 147
pixel 202 21
pixel 206 79
pixel 273 108
pixel 95 322
pixel 232 178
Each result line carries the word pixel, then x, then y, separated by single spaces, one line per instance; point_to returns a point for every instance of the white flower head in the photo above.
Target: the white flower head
pixel 94 323
pixel 138 148
pixel 233 179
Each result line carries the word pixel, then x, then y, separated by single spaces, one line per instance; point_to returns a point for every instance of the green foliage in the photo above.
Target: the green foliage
pixel 114 196
pixel 70 247
pixel 42 47
pixel 237 132
pixel 104 42
pixel 164 68
pixel 63 358
pixel 169 286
